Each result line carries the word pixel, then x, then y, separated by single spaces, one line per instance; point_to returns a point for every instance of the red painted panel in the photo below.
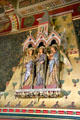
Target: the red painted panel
pixel 5 110
pixel 38 15
pixel 67 8
pixel 77 113
pixel 30 111
pixel 11 110
pixel 38 111
pixel 70 112
pixel 17 110
pixel 45 111
pixel 61 112
pixel 23 110
pixel 53 112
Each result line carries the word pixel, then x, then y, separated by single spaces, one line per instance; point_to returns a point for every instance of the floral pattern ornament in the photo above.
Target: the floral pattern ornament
pixel 15 23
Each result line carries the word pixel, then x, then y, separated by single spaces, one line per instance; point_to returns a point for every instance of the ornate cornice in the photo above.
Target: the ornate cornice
pixel 40 7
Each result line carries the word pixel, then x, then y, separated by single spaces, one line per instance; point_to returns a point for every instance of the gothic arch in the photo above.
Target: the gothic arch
pixel 53 36
pixel 41 41
pixel 27 45
pixel 29 40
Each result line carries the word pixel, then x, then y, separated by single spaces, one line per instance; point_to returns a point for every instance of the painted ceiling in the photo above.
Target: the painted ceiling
pixel 27 9
pixel 24 7
pixel 25 3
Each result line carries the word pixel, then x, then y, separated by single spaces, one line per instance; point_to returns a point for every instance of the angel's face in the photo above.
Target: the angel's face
pixel 40 50
pixel 30 52
pixel 53 50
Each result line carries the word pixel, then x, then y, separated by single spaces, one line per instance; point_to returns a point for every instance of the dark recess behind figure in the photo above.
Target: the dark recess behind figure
pixel 10 53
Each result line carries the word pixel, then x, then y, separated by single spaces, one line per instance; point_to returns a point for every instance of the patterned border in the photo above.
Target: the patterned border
pixel 40 113
pixel 15 22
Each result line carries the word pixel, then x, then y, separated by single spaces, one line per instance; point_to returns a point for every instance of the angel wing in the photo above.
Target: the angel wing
pixel 65 60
